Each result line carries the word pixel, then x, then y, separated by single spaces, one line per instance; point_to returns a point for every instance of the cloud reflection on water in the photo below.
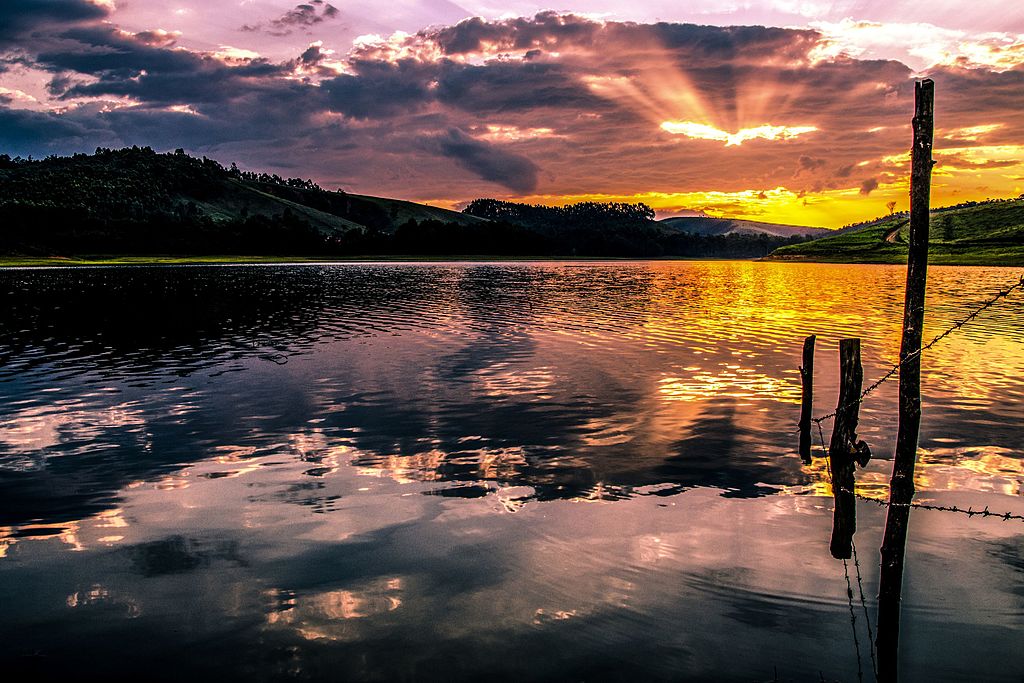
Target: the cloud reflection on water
pixel 638 419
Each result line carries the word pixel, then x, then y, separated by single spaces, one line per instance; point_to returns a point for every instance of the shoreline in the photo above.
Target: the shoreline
pixel 1013 261
pixel 158 260
pixel 92 261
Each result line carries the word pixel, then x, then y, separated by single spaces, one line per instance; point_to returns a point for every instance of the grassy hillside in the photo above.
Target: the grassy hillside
pixel 976 233
pixel 129 203
pixel 705 225
pixel 135 184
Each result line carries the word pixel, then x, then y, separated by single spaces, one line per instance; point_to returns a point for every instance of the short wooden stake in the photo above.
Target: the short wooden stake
pixel 845 449
pixel 807 401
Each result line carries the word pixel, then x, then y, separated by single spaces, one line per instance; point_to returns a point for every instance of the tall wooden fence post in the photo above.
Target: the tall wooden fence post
pixel 807 400
pixel 901 487
pixel 844 449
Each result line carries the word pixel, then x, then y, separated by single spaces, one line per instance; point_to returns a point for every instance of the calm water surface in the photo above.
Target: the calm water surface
pixel 523 471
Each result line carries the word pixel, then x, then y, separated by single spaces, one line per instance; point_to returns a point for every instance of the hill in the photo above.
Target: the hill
pixel 616 228
pixel 973 233
pixel 135 202
pixel 134 199
pixel 706 225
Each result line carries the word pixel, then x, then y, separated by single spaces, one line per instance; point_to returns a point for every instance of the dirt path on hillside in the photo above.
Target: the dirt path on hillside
pixel 890 235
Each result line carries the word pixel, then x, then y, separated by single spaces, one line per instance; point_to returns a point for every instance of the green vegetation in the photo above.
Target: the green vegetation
pixel 618 229
pixel 540 216
pixel 156 259
pixel 973 233
pixel 135 201
pixel 137 204
pixel 706 225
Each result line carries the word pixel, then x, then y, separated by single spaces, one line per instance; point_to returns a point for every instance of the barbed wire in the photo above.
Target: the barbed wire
pixel 864 606
pixel 970 511
pixel 853 622
pixel 849 589
pixel 1002 294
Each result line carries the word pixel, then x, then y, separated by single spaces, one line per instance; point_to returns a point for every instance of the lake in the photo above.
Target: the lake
pixel 510 471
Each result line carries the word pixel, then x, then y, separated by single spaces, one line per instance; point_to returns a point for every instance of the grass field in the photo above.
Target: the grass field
pixel 984 234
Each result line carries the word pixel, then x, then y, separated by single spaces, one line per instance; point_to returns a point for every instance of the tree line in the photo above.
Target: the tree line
pixel 138 201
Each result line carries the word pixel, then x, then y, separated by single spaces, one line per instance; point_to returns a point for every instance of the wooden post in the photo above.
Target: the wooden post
pixel 844 449
pixel 901 487
pixel 807 401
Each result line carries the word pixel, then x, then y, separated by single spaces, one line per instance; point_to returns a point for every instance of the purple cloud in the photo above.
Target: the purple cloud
pixel 302 17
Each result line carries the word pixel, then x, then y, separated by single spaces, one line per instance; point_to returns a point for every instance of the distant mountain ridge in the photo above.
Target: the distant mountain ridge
pixel 707 225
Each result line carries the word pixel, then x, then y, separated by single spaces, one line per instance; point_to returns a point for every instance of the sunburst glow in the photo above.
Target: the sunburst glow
pixel 702 131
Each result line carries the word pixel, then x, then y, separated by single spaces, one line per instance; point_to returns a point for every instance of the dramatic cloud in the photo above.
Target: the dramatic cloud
pixel 515 172
pixel 19 18
pixel 753 121
pixel 20 128
pixel 381 89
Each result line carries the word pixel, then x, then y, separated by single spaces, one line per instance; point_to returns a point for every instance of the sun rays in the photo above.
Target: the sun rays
pixel 667 96
pixel 764 132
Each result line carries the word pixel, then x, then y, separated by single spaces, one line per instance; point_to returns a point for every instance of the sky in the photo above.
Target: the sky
pixel 785 111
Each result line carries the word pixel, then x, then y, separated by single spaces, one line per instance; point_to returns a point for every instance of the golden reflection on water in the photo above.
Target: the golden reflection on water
pixel 974 469
pixel 733 381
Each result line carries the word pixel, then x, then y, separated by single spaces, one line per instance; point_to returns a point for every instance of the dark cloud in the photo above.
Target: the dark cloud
pixel 957 88
pixel 503 86
pixel 301 17
pixel 312 55
pixel 868 186
pixel 157 38
pixel 490 162
pixel 545 30
pixel 809 163
pixel 381 89
pixel 468 36
pixel 210 83
pixel 844 171
pixel 18 18
pixel 127 65
pixel 38 133
pixel 552 31
pixel 731 44
pixel 59 85
pixel 106 52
